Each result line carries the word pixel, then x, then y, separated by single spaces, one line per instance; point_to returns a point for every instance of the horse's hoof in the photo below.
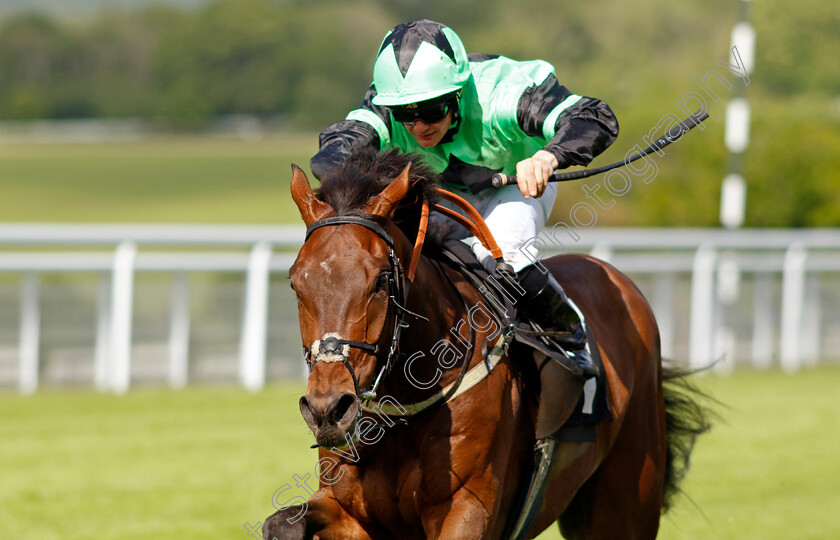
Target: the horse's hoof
pixel 278 526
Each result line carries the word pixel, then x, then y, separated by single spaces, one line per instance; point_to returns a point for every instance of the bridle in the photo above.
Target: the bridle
pixel 399 283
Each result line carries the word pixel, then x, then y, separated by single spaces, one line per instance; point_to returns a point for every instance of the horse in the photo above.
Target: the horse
pixel 402 453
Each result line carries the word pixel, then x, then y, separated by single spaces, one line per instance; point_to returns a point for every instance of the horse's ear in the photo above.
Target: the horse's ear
pixel 311 209
pixel 384 204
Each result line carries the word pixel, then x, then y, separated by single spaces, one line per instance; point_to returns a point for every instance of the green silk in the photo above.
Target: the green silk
pixel 489 134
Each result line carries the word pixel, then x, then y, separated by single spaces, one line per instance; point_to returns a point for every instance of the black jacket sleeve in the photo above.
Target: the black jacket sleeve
pixel 341 139
pixel 582 131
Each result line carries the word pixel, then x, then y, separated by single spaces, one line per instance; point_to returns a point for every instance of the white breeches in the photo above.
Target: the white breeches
pixel 513 220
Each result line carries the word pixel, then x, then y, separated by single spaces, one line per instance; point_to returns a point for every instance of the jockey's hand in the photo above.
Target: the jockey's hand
pixel 532 174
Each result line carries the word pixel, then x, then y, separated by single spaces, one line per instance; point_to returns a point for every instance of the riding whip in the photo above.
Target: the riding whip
pixel 501 179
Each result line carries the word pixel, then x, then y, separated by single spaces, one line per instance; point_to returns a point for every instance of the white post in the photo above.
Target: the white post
pixel 728 290
pixel 733 196
pixel 30 330
pixel 763 323
pixel 179 331
pixel 702 307
pixel 737 129
pixel 793 292
pixel 122 297
pixel 663 308
pixel 101 366
pixel 811 322
pixel 255 319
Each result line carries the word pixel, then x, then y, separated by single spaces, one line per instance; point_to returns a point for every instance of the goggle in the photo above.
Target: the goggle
pixel 430 114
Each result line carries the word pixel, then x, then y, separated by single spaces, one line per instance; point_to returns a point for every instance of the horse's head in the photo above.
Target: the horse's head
pixel 346 278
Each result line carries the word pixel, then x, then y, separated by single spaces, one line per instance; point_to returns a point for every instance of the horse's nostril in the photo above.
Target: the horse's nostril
pixel 308 414
pixel 320 412
pixel 345 402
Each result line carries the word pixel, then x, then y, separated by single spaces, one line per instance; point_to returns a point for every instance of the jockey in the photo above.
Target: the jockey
pixel 470 116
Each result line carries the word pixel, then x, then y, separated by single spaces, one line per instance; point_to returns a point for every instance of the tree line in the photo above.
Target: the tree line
pixel 309 62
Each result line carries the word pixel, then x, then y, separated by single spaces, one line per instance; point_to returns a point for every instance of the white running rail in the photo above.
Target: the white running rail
pixel 713 260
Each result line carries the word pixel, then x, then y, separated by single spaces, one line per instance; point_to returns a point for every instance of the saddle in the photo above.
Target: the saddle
pixel 592 405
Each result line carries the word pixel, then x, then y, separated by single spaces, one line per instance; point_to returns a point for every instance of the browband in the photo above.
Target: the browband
pixel 354 220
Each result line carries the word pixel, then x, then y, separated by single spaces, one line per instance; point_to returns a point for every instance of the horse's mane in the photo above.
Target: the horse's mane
pixel 365 173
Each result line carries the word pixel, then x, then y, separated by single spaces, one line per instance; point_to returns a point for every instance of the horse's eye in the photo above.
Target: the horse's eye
pixel 382 281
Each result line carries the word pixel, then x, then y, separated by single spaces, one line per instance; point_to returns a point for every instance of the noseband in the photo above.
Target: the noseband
pixel 334 349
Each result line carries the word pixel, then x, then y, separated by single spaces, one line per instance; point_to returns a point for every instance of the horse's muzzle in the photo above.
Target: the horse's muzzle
pixel 330 416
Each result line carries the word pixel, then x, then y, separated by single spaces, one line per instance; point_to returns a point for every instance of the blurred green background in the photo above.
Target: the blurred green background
pixel 201 462
pixel 299 66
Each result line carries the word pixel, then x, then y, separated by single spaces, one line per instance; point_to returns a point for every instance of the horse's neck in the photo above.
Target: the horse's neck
pixel 433 343
pixel 434 294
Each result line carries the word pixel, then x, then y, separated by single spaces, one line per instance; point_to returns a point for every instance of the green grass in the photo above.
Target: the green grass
pixel 167 180
pixel 770 468
pixel 200 463
pixel 154 464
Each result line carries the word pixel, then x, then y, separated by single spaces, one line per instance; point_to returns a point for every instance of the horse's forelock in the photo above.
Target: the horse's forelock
pixel 367 172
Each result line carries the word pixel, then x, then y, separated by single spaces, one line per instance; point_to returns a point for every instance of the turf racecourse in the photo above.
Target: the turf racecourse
pixel 200 463
pixel 176 179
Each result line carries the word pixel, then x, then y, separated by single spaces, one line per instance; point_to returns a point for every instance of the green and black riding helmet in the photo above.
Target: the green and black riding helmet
pixel 420 71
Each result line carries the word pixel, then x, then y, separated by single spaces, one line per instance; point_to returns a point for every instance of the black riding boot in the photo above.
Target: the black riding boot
pixel 546 304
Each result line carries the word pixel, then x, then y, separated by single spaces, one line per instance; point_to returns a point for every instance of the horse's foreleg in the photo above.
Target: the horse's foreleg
pixel 464 517
pixel 323 517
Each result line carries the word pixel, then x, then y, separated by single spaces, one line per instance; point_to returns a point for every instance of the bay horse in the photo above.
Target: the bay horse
pixel 422 460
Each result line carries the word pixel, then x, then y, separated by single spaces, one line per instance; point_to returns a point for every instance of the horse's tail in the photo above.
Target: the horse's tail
pixel 687 416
